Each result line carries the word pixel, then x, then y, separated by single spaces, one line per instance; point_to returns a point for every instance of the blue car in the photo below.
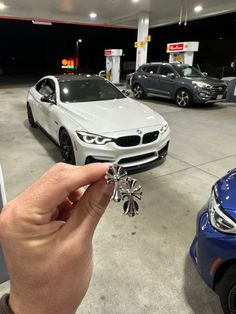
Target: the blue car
pixel 213 250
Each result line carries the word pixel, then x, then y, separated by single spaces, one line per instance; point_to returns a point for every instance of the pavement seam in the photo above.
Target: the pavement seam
pixel 174 172
pixel 199 165
pixel 213 175
pixel 186 162
pixel 208 162
pixel 190 167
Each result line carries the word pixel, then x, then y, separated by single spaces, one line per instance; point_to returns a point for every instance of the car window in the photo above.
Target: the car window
pixel 51 86
pixel 187 70
pixel 152 69
pixel 88 90
pixel 142 68
pixel 164 70
pixel 46 87
pixel 50 89
pixel 40 85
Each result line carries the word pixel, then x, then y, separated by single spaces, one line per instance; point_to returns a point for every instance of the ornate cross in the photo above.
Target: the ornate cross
pixel 125 188
pixel 131 192
pixel 116 174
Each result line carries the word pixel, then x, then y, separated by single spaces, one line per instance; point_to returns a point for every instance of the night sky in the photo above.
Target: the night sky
pixel 28 48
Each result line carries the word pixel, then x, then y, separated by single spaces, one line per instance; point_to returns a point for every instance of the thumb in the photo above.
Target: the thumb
pixel 91 207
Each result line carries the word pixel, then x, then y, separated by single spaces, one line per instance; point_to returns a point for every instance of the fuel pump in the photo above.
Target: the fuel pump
pixel 113 64
pixel 182 52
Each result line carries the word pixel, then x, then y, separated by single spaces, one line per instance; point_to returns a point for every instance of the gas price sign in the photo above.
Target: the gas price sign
pixel 68 64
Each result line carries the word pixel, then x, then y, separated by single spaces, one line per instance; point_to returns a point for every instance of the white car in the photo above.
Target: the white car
pixel 93 121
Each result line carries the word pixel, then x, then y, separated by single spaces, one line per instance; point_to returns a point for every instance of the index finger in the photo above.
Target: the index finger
pixel 59 182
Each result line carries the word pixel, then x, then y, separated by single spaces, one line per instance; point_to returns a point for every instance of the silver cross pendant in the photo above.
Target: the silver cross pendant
pixel 131 192
pixel 124 188
pixel 116 174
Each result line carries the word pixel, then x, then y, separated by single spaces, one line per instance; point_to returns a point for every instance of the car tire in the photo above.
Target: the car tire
pixel 183 98
pixel 30 117
pixel 66 147
pixel 226 289
pixel 138 91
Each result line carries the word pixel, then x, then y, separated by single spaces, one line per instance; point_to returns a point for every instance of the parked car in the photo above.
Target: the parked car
pixel 92 120
pixel 213 250
pixel 181 82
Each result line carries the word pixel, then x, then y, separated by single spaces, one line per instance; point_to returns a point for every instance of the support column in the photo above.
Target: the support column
pixel 143 28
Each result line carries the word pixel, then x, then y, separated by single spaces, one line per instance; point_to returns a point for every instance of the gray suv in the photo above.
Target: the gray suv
pixel 181 82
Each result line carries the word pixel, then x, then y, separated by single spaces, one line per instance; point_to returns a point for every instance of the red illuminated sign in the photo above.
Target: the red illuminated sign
pixel 175 47
pixel 68 63
pixel 108 52
pixel 64 62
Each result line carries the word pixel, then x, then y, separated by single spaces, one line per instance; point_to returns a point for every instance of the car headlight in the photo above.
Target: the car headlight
pixel 201 84
pixel 218 218
pixel 91 138
pixel 164 127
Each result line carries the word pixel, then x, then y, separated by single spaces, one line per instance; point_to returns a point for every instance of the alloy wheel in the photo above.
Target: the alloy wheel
pixel 183 98
pixel 138 91
pixel 67 148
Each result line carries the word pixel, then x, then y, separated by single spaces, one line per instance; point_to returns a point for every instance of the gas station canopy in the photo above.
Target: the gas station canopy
pixel 117 13
pixel 139 14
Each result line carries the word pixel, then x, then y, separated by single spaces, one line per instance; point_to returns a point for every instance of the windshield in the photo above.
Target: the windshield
pixel 88 90
pixel 187 70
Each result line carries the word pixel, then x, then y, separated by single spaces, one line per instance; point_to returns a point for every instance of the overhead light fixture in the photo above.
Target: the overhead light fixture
pixel 198 8
pixel 93 15
pixel 2 6
pixel 38 22
pixel 135 1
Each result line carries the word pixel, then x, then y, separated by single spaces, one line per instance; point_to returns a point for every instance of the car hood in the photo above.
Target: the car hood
pixel 102 117
pixel 225 192
pixel 208 80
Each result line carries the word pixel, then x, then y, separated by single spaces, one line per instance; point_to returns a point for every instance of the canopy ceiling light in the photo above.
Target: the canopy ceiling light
pixel 2 6
pixel 93 15
pixel 198 8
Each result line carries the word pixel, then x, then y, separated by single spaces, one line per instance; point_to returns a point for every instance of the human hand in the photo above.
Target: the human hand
pixel 46 235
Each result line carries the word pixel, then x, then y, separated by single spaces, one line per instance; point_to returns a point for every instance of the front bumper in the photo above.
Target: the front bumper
pixel 145 165
pixel 134 157
pixel 203 97
pixel 210 248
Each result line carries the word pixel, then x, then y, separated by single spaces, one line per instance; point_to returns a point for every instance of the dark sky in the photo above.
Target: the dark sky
pixel 26 47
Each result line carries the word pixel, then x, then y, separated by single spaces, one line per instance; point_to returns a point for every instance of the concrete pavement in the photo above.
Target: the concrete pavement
pixel 141 264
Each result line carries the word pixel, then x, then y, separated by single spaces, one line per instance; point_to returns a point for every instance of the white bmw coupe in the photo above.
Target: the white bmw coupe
pixel 93 121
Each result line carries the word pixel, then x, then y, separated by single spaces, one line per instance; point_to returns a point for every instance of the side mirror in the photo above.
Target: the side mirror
pixel 170 75
pixel 204 73
pixel 125 92
pixel 102 73
pixel 49 99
